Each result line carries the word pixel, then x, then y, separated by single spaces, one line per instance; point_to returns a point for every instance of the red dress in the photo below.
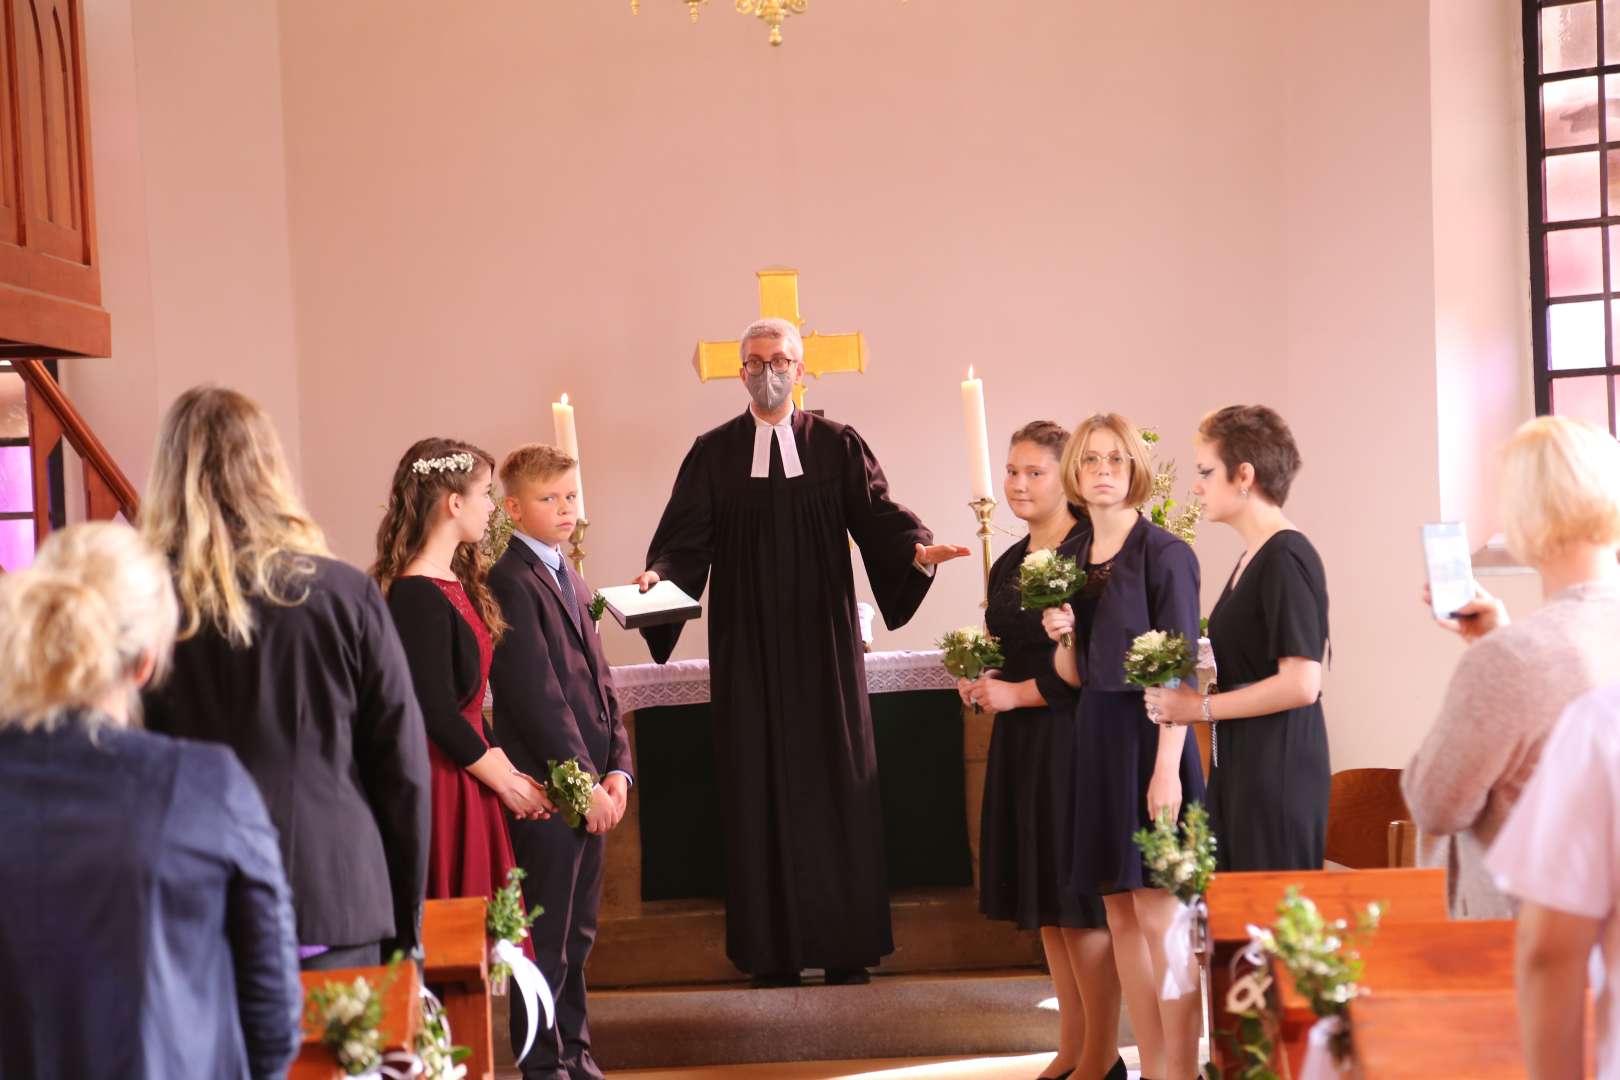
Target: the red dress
pixel 471 851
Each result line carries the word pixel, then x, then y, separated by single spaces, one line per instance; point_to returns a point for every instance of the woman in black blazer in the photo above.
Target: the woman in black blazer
pixel 146 929
pixel 290 658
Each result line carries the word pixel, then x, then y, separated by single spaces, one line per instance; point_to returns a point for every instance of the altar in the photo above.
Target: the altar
pixel 663 915
pixel 918 732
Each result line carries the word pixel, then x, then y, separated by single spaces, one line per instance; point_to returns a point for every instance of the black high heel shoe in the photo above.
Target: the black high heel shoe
pixel 1117 1071
pixel 1064 1075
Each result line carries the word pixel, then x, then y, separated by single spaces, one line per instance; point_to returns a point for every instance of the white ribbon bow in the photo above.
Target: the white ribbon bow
pixel 1319 1063
pixel 1179 976
pixel 531 985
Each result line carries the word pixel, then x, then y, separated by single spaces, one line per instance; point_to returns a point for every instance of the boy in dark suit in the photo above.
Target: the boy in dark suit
pixel 554 701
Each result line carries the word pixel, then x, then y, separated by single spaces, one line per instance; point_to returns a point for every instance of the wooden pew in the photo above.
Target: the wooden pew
pixel 456 965
pixel 1238 899
pixel 1406 960
pixel 402 1015
pixel 1472 1033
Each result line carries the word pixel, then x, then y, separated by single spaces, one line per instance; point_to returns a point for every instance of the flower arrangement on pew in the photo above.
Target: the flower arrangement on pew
pixel 498 535
pixel 505 921
pixel 1182 862
pixel 1320 957
pixel 348 1016
pixel 970 652
pixel 441 1059
pixel 507 926
pixel 1046 580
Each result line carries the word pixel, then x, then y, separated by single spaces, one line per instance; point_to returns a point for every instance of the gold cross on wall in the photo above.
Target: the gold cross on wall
pixel 824 354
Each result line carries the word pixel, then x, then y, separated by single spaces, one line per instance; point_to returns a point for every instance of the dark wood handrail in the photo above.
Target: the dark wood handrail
pixel 52 417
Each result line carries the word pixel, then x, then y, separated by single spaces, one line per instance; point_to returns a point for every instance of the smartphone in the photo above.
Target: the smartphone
pixel 1451 567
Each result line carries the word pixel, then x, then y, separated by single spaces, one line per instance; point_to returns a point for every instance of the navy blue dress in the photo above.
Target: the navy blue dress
pixel 1026 830
pixel 1151 584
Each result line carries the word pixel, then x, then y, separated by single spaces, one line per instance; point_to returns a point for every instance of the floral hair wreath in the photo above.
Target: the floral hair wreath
pixel 458 462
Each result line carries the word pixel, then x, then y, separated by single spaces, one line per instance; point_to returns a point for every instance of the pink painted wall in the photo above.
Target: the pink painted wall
pixel 1157 209
pixel 190 175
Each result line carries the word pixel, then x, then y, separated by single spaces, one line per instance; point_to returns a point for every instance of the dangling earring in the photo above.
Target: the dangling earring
pixel 1244 492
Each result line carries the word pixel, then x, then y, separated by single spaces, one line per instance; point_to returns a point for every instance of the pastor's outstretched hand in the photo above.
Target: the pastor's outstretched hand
pixel 934 554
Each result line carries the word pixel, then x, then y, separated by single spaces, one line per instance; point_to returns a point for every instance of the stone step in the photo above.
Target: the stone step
pixel 681 943
pixel 936 1015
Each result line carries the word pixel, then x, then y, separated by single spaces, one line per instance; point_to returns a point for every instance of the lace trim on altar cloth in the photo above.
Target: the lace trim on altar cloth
pixel 686 682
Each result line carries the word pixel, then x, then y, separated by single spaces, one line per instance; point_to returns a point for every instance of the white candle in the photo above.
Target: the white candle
pixel 978 437
pixel 562 416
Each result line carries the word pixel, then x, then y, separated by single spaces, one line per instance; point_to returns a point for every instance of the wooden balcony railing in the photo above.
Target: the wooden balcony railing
pixel 52 418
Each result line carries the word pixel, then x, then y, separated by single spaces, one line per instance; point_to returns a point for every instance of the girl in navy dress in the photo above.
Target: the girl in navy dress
pixel 1127 769
pixel 1027 827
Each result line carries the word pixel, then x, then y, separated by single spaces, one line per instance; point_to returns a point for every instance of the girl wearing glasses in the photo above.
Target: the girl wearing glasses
pixel 1269 772
pixel 1127 770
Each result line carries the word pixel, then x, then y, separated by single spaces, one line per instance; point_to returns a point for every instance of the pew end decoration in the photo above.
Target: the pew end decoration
pixel 1047 580
pixel 570 785
pixel 1321 958
pixel 507 926
pixel 970 652
pixel 1161 505
pixel 441 1059
pixel 1159 658
pixel 349 1017
pixel 1182 862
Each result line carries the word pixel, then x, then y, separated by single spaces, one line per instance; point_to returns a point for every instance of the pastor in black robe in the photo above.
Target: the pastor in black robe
pixel 805 880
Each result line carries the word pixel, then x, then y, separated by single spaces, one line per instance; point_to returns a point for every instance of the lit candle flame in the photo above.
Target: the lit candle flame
pixel 565 397
pixel 970 372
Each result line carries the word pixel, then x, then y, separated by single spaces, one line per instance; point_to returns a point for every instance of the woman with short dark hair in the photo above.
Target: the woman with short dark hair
pixel 1269 774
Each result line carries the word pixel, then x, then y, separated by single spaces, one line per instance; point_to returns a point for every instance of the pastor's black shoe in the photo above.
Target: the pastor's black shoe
pixel 857 976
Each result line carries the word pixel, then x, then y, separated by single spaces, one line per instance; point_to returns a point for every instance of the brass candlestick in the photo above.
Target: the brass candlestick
pixel 576 546
pixel 982 509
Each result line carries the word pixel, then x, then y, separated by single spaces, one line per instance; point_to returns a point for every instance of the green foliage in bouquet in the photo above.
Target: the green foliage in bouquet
pixel 506 920
pixel 1047 579
pixel 1181 861
pixel 569 787
pixel 597 606
pixel 970 652
pixel 1157 657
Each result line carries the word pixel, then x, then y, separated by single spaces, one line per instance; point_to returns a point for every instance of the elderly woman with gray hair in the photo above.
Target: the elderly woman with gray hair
pixel 1560 491
pixel 146 928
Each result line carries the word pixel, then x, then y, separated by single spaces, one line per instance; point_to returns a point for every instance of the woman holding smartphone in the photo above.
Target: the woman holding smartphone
pixel 1561 511
pixel 1269 772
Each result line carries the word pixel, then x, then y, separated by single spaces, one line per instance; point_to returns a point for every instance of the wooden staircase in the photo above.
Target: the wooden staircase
pixel 50 276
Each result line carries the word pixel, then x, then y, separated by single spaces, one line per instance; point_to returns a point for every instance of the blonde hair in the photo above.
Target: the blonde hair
pixel 531 462
pixel 1560 486
pixel 221 507
pixel 1135 450
pixel 79 623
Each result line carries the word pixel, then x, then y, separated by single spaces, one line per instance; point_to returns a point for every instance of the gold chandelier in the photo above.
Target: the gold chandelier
pixel 771 12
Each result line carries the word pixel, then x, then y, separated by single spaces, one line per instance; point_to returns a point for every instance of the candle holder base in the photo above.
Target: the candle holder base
pixel 982 509
pixel 576 546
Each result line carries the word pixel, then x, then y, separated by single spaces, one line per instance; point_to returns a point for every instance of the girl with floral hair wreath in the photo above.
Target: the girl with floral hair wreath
pixel 432 567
